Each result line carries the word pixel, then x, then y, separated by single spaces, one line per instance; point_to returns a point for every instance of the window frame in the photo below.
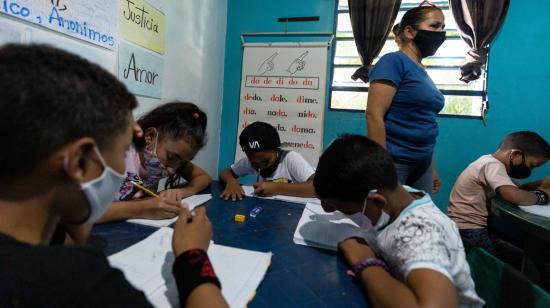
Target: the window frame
pixel 404 7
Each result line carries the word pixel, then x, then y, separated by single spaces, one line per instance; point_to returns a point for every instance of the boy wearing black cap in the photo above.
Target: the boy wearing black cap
pixel 280 172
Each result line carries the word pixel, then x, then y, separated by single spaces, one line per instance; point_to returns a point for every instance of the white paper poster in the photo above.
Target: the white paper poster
pixel 94 21
pixel 11 33
pixel 284 85
pixel 102 57
pixel 140 70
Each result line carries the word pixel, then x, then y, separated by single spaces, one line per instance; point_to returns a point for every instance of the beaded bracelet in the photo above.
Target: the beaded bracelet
pixel 541 196
pixel 368 262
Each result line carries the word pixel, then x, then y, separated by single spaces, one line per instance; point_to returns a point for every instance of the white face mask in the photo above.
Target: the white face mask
pixel 364 222
pixel 101 191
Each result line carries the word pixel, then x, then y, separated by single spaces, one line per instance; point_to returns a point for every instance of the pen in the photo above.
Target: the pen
pixel 145 190
pixel 258 177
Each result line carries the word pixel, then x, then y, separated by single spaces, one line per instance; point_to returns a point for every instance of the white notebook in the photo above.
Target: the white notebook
pixel 249 191
pixel 192 201
pixel 320 229
pixel 147 265
pixel 539 210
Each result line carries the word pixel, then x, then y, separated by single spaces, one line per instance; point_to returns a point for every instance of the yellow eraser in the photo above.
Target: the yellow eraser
pixel 240 218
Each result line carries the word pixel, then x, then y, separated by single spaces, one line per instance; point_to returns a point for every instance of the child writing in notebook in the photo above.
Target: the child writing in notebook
pixel 65 124
pixel 416 257
pixel 279 172
pixel 493 174
pixel 173 134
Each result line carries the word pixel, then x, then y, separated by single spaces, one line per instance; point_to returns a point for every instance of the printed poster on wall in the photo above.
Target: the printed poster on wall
pixel 140 70
pixel 94 21
pixel 285 86
pixel 142 24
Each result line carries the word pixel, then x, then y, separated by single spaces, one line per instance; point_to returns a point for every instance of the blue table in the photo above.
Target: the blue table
pixel 299 276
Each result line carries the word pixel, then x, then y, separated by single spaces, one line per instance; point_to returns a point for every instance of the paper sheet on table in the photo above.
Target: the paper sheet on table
pixel 147 265
pixel 539 210
pixel 193 202
pixel 249 191
pixel 320 229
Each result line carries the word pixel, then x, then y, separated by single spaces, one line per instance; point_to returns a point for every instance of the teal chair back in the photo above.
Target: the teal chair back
pixel 501 285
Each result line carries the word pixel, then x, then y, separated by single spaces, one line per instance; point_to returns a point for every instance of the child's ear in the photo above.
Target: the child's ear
pixel 377 200
pixel 76 158
pixel 150 135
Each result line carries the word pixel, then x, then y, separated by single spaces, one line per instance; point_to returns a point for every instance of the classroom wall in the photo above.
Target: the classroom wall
pixel 259 16
pixel 193 69
pixel 193 59
pixel 518 84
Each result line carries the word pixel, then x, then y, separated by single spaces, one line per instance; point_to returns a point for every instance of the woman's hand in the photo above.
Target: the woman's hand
pixel 436 181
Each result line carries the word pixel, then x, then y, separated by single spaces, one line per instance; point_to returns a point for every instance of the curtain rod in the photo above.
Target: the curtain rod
pixel 243 35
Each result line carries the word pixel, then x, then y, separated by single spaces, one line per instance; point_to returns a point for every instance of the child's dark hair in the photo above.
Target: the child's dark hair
pixel 530 143
pixel 176 120
pixel 414 17
pixel 352 166
pixel 49 98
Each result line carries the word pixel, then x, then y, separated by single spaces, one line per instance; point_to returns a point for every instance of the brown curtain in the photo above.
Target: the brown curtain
pixel 371 21
pixel 478 22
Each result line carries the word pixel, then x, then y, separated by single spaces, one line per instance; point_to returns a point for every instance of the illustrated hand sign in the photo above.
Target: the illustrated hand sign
pixel 298 64
pixel 267 65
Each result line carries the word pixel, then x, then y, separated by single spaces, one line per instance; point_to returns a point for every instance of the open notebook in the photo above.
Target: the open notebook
pixel 320 229
pixel 147 265
pixel 193 202
pixel 539 210
pixel 249 191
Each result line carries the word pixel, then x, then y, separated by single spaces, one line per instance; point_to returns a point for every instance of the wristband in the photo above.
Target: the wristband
pixel 191 269
pixel 542 197
pixel 361 266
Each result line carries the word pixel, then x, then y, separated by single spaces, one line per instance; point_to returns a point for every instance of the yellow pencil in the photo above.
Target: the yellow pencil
pixel 145 190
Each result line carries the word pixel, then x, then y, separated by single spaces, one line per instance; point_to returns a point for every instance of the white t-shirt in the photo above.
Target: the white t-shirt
pixel 293 168
pixel 423 237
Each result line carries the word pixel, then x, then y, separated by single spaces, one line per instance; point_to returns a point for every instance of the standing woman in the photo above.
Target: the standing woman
pixel 403 101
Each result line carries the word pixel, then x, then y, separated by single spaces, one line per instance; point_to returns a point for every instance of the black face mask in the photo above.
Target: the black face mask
pixel 428 41
pixel 267 172
pixel 520 171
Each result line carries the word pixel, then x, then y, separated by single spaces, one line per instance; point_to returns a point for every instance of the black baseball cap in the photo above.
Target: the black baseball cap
pixel 259 136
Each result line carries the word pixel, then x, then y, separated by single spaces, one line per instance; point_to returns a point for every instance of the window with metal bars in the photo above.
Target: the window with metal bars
pixel 461 99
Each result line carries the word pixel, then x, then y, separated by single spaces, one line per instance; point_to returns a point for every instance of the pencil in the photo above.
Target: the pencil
pixel 145 190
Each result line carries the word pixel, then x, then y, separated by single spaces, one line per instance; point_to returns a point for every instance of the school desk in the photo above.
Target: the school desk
pixel 299 276
pixel 535 234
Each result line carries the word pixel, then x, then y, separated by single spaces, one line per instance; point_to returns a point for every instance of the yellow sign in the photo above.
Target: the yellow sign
pixel 142 24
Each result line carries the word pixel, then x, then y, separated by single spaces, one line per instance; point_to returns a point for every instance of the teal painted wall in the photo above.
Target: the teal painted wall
pixel 518 84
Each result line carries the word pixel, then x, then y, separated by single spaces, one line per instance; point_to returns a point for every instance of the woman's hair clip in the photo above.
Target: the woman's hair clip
pixel 427 2
pixel 195 115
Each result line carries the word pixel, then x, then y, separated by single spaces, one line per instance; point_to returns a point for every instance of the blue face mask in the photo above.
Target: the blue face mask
pixel 101 191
